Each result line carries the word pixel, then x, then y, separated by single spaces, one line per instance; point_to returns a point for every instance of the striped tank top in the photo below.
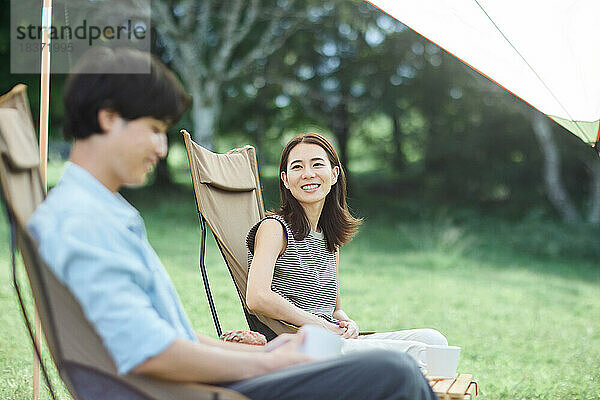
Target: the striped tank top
pixel 305 274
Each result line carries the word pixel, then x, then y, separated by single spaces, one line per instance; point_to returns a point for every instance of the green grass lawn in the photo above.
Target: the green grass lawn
pixel 524 308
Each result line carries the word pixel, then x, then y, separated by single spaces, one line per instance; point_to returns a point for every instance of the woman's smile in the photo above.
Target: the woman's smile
pixel 310 187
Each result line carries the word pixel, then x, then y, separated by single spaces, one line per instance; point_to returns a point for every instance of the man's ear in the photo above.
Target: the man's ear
pixel 284 179
pixel 107 119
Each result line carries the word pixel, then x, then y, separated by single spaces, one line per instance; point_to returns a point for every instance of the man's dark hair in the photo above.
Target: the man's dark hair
pixel 91 88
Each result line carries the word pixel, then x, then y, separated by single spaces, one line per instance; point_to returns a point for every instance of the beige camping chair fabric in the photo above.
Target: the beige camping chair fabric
pixel 82 361
pixel 228 195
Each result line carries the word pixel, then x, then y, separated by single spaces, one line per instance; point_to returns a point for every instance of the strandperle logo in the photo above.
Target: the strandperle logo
pixel 84 31
pixel 67 29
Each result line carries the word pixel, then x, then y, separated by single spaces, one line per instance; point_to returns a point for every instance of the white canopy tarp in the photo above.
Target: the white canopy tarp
pixel 547 52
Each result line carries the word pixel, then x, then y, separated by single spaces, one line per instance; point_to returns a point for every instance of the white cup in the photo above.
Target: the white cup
pixel 440 361
pixel 320 343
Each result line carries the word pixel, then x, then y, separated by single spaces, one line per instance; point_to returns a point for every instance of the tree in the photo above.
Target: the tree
pixel 210 43
pixel 557 193
pixel 328 78
pixel 317 79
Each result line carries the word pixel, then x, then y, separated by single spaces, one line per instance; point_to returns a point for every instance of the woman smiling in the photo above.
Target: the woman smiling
pixel 294 252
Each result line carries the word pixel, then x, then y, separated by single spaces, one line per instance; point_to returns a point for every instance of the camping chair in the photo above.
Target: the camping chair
pixel 228 198
pixel 77 351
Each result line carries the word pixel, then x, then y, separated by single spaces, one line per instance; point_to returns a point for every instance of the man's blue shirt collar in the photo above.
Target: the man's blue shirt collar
pixel 113 203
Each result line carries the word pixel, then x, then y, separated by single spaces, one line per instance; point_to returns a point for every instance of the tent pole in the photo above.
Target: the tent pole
pixel 44 121
pixel 45 92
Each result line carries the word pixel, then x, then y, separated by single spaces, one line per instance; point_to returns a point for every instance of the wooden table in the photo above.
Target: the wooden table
pixel 460 388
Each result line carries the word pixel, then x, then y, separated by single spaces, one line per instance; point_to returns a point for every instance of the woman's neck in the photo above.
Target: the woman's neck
pixel 313 214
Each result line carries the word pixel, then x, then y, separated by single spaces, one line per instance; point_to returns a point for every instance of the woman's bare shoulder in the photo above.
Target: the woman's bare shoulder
pixel 271 232
pixel 270 227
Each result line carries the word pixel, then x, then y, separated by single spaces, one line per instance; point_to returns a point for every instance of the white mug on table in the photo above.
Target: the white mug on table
pixel 320 343
pixel 440 361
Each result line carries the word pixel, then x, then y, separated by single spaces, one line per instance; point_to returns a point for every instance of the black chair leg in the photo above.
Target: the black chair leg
pixel 211 303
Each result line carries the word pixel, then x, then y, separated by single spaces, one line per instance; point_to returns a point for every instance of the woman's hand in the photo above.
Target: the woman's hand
pixel 333 327
pixel 351 329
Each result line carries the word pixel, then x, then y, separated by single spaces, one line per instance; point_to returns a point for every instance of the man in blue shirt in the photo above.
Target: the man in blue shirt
pixel 95 242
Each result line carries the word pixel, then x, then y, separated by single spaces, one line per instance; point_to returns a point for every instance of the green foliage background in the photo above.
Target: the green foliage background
pixel 350 72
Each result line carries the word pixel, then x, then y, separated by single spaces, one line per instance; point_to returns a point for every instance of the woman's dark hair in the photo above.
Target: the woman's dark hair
pixel 104 78
pixel 336 222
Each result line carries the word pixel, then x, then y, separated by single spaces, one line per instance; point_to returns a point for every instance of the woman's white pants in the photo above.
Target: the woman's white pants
pixel 410 341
